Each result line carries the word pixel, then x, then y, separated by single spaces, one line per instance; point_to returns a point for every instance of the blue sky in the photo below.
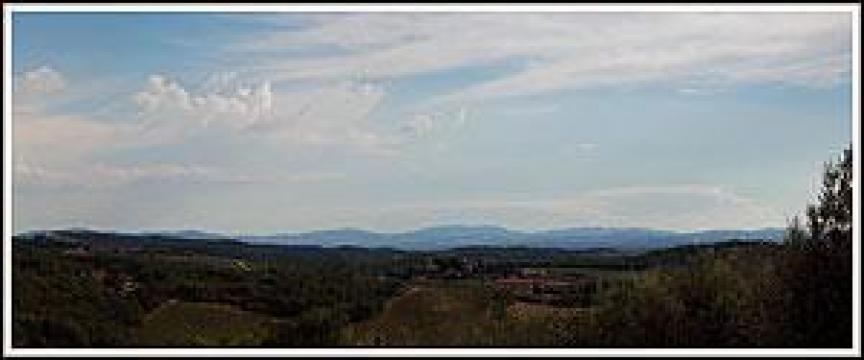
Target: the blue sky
pixel 266 122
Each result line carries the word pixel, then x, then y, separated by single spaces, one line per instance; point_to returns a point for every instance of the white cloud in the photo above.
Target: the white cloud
pixel 570 50
pixel 239 106
pixel 334 114
pixel 43 80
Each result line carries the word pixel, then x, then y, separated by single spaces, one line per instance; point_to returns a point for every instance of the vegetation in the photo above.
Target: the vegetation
pixel 69 297
pixel 795 295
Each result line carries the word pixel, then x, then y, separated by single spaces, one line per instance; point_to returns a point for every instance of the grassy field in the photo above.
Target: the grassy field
pixel 521 310
pixel 454 313
pixel 178 323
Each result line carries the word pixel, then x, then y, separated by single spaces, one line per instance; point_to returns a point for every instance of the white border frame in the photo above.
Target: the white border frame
pixel 853 9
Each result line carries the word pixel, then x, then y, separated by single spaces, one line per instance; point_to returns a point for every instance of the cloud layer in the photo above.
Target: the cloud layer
pixel 558 51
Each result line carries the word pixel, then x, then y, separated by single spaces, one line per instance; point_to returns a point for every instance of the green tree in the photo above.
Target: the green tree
pixel 816 274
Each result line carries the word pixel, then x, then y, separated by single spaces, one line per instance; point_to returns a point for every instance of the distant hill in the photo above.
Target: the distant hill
pixel 448 237
pixel 187 234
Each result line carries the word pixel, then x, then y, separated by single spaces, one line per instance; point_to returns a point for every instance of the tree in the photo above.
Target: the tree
pixel 799 297
pixel 816 274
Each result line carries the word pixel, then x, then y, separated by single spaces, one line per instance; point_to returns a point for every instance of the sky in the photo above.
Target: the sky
pixel 257 123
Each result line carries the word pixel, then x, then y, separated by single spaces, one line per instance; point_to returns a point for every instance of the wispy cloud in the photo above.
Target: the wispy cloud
pixel 568 51
pixel 332 115
pixel 99 175
pixel 43 80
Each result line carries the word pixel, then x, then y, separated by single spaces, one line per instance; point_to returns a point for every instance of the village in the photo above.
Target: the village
pixel 522 280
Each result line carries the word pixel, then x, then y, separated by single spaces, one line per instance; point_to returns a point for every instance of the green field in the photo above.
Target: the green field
pixel 178 323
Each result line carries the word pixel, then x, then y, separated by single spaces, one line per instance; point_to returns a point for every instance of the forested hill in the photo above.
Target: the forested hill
pixel 450 237
pixel 94 242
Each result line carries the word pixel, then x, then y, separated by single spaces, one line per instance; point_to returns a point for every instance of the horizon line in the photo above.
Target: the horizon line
pixel 391 232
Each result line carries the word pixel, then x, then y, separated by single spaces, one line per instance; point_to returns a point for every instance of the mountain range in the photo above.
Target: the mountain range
pixel 446 237
pixel 457 236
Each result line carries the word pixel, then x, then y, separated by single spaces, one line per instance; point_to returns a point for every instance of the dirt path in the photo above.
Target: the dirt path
pixel 407 293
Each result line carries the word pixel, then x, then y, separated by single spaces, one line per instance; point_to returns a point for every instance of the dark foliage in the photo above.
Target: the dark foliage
pixel 69 297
